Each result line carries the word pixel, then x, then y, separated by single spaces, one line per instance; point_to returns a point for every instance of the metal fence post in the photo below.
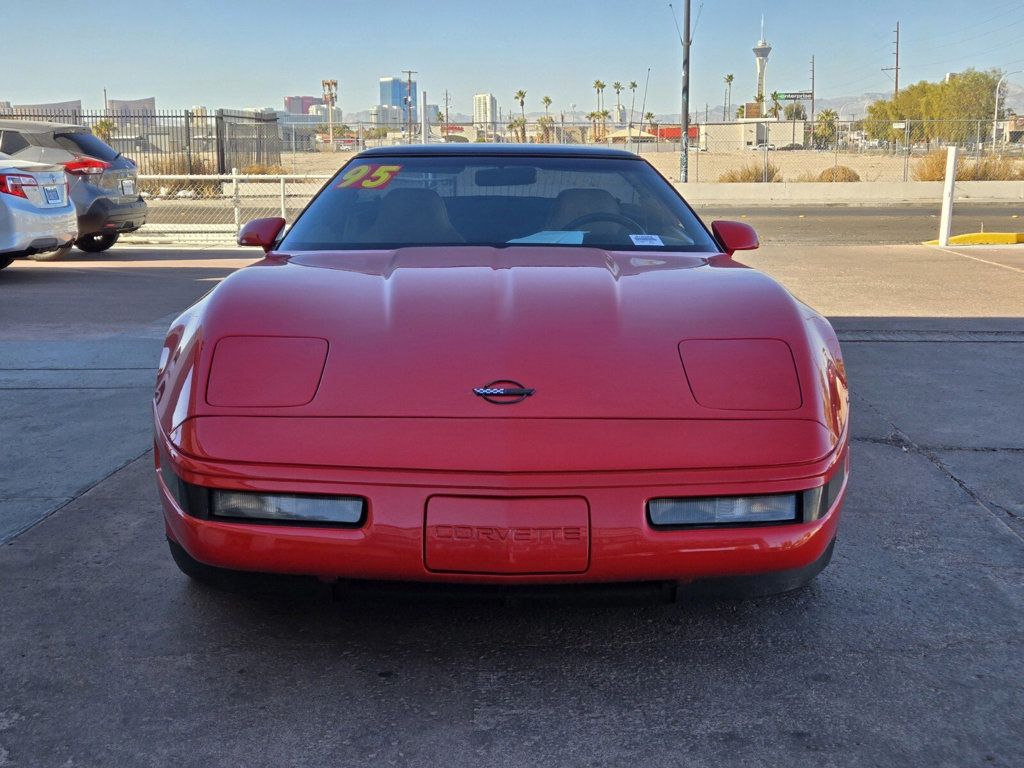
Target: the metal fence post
pixel 284 213
pixel 948 188
pixel 765 160
pixel 188 139
pixel 906 151
pixel 236 200
pixel 218 132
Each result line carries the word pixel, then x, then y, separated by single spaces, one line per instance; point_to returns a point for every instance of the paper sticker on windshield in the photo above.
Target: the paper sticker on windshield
pixel 646 240
pixel 370 176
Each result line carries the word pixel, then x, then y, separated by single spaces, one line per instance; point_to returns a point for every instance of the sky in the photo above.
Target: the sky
pixel 238 53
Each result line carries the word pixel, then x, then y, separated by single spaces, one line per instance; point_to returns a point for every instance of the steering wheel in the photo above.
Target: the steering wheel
pixel 615 218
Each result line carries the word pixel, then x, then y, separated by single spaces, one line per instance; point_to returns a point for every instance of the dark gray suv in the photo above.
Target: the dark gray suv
pixel 104 183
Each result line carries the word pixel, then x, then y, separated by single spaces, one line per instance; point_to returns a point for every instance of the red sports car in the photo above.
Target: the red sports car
pixel 504 365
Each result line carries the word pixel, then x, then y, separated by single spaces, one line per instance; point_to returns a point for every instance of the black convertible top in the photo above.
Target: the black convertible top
pixel 497 150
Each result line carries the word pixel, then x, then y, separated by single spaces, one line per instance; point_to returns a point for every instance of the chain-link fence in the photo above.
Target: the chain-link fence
pixel 755 150
pixel 211 208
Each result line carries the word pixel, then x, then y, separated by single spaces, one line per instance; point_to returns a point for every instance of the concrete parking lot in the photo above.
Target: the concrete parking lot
pixel 906 651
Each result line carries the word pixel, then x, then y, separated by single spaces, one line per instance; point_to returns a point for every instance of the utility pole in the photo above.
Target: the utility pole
pixel 447 101
pixel 330 99
pixel 409 101
pixel 812 89
pixel 896 69
pixel 684 111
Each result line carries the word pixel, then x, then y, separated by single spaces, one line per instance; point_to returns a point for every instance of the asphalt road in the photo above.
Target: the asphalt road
pixel 906 651
pixel 874 225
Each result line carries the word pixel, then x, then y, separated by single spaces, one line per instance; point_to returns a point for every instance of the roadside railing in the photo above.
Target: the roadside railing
pixel 210 209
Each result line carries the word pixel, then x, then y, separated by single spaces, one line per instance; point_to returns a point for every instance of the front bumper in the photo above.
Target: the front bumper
pixel 391 543
pixel 105 216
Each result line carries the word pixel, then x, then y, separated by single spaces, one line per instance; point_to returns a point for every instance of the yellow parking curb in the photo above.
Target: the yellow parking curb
pixel 983 238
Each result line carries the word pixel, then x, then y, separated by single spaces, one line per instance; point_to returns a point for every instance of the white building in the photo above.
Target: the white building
pixel 385 116
pixel 320 111
pixel 485 111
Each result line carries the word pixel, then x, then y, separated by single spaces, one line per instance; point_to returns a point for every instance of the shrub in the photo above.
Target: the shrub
pixel 838 173
pixel 991 169
pixel 752 172
pixel 177 165
pixel 932 167
pixel 262 169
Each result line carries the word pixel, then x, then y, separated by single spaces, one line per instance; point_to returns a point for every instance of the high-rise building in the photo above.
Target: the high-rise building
pixel 761 51
pixel 394 92
pixel 132 106
pixel 300 105
pixel 485 110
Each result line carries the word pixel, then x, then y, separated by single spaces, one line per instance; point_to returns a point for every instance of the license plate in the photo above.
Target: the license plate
pixel 52 194
pixel 127 186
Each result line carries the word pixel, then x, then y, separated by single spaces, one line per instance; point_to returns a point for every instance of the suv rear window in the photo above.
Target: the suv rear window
pixel 82 143
pixel 11 142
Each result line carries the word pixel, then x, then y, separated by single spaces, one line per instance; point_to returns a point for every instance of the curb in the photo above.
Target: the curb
pixel 983 238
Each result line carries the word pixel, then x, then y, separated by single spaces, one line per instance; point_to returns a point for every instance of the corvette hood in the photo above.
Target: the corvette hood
pixel 412 332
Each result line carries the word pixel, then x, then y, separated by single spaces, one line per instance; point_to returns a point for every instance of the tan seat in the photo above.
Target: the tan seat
pixel 412 216
pixel 571 204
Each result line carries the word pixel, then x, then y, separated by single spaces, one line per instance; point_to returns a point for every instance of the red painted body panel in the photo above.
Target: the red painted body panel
pixel 614 420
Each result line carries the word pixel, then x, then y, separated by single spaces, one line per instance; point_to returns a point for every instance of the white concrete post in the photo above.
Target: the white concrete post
pixel 424 122
pixel 236 200
pixel 948 188
pixel 284 214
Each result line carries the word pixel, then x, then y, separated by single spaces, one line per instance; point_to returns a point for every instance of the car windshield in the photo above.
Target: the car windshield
pixel 391 202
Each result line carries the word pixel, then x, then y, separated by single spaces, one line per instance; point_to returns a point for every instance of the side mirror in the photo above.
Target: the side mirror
pixel 735 236
pixel 261 232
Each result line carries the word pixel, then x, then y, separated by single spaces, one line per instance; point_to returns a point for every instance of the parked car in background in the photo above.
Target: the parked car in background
pixel 37 217
pixel 104 183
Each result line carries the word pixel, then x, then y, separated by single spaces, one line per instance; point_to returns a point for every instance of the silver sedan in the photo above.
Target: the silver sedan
pixel 37 217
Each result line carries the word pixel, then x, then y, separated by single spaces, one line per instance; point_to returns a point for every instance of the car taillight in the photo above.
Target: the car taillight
pixel 85 166
pixel 14 184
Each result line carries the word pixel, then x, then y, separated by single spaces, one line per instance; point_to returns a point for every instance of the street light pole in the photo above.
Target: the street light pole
pixel 684 121
pixel 330 99
pixel 995 112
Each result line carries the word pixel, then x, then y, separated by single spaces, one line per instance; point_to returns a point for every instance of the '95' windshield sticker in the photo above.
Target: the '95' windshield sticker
pixel 368 176
pixel 646 240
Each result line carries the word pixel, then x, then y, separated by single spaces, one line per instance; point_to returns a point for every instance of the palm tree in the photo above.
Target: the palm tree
pixel 632 87
pixel 776 104
pixel 728 94
pixel 617 87
pixel 649 117
pixel 521 98
pixel 604 114
pixel 592 117
pixel 599 87
pixel 104 129
pixel 546 101
pixel 825 127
